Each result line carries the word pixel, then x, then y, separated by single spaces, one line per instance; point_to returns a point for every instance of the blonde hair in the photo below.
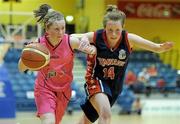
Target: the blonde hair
pixel 46 15
pixel 112 13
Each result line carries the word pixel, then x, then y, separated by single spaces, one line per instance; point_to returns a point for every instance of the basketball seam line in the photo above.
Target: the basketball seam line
pixel 45 55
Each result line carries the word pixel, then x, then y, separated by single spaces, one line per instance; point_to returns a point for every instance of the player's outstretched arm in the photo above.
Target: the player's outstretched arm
pixel 89 35
pixel 140 42
pixel 82 44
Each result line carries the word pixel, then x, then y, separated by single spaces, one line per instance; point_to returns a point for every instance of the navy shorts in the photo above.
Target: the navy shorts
pixel 112 91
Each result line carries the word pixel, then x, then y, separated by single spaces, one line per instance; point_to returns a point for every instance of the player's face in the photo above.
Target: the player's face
pixel 113 30
pixel 56 30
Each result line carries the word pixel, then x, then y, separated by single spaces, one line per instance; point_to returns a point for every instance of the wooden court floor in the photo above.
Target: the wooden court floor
pixel 30 118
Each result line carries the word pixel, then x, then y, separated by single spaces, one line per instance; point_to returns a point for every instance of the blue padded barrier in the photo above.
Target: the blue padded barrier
pixel 7 100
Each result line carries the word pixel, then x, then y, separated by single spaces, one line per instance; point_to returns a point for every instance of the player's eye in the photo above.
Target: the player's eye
pixel 118 31
pixel 110 30
pixel 56 29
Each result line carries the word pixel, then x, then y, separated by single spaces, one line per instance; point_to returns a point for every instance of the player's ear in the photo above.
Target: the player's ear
pixel 21 66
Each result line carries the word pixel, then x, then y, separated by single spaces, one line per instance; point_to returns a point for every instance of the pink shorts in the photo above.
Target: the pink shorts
pixel 48 101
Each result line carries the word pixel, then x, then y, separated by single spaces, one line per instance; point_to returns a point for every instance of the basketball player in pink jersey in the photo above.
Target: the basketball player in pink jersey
pixel 53 83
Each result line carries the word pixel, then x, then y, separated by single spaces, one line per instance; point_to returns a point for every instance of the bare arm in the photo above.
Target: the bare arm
pixel 82 43
pixel 89 35
pixel 140 42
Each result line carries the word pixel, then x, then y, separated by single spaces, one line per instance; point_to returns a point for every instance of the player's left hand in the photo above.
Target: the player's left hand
pixel 167 46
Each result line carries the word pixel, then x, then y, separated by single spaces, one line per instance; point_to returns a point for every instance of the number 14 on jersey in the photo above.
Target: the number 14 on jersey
pixel 109 73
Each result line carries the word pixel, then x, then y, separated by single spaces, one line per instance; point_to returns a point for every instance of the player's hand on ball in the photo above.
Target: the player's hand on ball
pixel 34 56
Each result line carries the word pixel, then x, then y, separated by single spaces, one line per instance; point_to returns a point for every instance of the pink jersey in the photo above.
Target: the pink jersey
pixel 57 75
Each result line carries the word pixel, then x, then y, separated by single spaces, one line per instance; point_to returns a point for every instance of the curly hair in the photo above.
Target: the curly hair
pixel 46 15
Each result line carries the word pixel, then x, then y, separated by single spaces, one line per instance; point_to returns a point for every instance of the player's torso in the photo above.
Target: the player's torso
pixel 59 70
pixel 110 64
pixel 61 56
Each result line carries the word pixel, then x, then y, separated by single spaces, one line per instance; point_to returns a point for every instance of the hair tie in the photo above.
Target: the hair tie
pixel 51 10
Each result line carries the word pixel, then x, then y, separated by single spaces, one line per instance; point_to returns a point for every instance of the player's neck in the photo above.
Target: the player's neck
pixel 55 41
pixel 112 44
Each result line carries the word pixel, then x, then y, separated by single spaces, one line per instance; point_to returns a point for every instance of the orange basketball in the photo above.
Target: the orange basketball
pixel 35 56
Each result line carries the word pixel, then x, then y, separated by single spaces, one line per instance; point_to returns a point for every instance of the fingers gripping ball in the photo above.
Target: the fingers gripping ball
pixel 35 56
